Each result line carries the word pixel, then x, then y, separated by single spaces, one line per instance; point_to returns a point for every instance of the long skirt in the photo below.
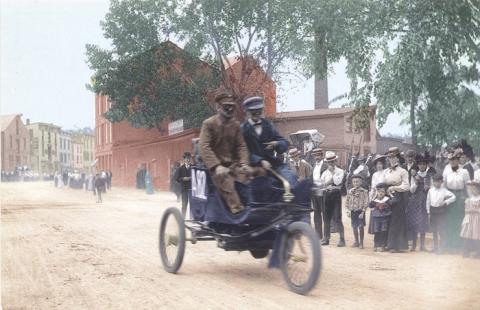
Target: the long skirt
pixel 397 232
pixel 417 217
pixel 454 218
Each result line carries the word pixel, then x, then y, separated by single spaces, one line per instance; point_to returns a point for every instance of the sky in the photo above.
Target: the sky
pixel 44 73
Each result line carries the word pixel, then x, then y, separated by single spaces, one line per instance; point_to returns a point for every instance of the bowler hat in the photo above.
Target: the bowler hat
pixel 410 153
pixel 187 155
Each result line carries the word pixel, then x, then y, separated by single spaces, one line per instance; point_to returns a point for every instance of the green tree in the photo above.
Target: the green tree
pixel 429 56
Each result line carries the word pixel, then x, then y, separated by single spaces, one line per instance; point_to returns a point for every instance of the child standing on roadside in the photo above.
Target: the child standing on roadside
pixel 381 212
pixel 471 222
pixel 438 199
pixel 357 203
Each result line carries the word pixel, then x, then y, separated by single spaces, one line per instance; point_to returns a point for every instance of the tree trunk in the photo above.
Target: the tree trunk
pixel 413 125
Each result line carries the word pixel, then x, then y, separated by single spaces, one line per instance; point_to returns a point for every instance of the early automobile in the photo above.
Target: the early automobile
pixel 276 221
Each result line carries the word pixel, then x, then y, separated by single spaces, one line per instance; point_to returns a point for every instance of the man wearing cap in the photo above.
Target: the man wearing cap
pixel 224 151
pixel 301 167
pixel 263 141
pixel 332 179
pixel 317 200
pixel 183 177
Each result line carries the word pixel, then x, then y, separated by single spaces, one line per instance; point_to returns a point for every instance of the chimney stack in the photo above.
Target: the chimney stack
pixel 28 121
pixel 321 93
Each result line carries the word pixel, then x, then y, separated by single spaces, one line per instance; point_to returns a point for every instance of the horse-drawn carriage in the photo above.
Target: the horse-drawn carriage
pixel 275 220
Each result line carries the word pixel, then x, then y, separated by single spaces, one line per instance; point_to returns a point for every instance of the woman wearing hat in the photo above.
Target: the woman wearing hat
pixel 455 179
pixel 397 180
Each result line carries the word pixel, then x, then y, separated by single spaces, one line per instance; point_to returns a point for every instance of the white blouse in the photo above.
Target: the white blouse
pixel 397 179
pixel 455 180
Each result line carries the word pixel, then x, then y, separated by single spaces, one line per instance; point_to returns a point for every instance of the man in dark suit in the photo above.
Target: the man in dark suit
pixel 184 178
pixel 263 141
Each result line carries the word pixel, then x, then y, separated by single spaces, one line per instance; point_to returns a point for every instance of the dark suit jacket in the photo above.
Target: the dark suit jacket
pixel 182 172
pixel 256 145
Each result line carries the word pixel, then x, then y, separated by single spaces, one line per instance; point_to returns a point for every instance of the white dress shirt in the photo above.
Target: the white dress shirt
pixel 335 178
pixel 317 172
pixel 455 180
pixel 436 197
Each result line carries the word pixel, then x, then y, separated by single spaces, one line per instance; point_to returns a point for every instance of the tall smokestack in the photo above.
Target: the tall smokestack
pixel 28 121
pixel 321 93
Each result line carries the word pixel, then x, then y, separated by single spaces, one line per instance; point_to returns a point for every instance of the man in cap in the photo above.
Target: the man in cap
pixel 301 167
pixel 317 199
pixel 332 179
pixel 224 151
pixel 263 141
pixel 183 177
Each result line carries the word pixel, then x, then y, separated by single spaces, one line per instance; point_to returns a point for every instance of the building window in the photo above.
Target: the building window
pixel 16 123
pixel 24 143
pixel 11 141
pixel 18 144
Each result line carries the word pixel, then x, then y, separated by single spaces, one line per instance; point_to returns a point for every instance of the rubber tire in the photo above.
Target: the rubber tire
pixel 175 212
pixel 259 253
pixel 307 231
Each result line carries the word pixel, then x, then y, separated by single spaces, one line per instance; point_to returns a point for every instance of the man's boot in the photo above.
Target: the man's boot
pixel 341 243
pixel 325 242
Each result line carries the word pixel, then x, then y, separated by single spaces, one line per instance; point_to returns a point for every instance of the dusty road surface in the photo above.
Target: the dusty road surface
pixel 60 249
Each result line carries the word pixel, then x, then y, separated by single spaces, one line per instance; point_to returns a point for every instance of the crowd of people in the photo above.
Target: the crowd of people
pixel 97 183
pixel 25 174
pixel 409 195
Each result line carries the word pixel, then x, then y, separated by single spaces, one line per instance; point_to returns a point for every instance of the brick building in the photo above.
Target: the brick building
pixel 336 125
pixel 15 142
pixel 122 148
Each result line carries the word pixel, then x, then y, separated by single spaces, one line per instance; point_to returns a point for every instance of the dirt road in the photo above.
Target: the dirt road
pixel 60 249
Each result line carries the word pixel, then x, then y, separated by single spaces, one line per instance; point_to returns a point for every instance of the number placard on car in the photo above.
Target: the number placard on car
pixel 199 184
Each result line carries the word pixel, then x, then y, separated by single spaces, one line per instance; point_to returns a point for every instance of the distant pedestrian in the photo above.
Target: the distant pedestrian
pixel 184 179
pixel 99 187
pixel 174 185
pixel 109 179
